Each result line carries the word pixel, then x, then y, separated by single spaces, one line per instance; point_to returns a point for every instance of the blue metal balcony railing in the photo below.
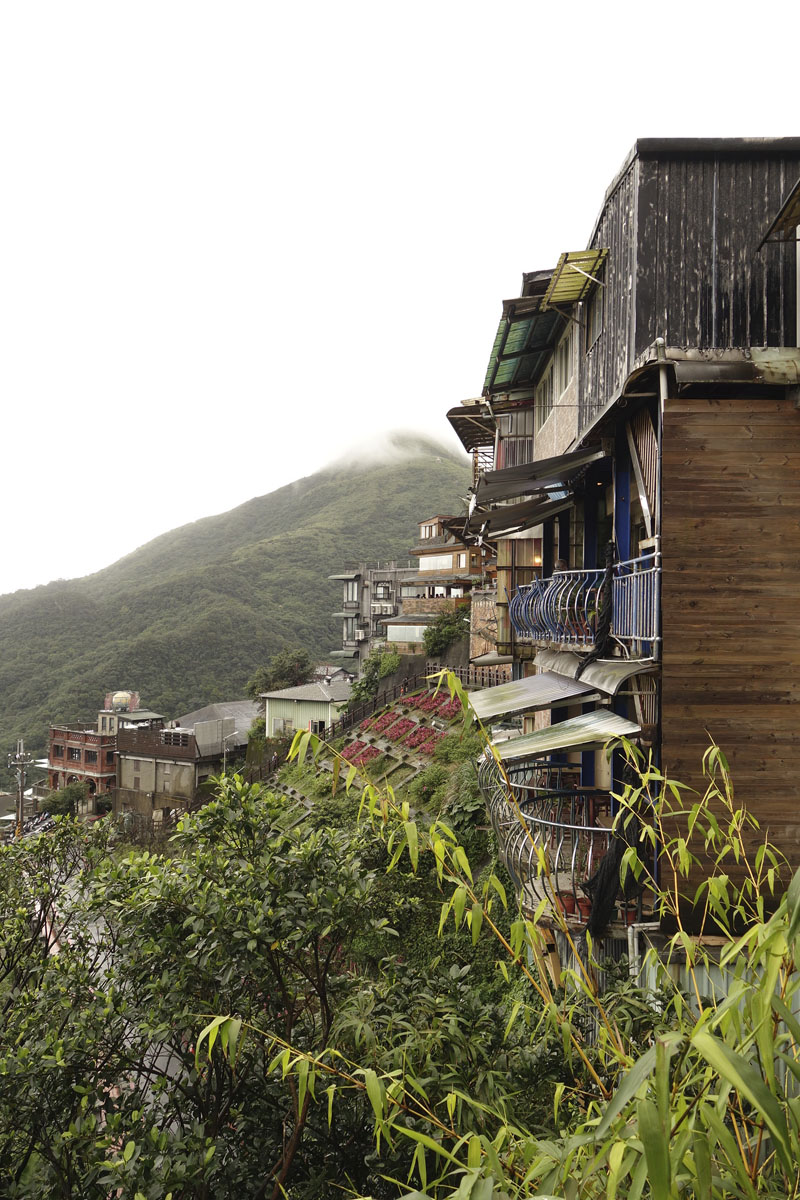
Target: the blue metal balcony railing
pixel 564 608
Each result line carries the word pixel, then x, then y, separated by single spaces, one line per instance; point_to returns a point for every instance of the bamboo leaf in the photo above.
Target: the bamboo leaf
pixel 741 1075
pixel 374 1092
pixel 412 842
pixel 656 1149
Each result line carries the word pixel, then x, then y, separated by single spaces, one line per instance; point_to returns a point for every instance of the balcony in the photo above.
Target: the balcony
pixel 552 834
pixel 564 610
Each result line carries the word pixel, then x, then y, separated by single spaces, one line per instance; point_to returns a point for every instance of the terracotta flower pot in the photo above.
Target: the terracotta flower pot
pixel 584 906
pixel 566 902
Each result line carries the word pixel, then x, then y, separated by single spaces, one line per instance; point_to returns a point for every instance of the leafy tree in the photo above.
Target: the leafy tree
pixel 450 625
pixel 380 663
pixel 288 668
pixel 66 800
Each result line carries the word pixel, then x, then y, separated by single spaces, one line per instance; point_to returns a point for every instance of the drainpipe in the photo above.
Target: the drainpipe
pixel 634 957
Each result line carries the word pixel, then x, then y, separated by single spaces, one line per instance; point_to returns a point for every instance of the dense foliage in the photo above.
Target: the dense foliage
pixel 186 619
pixel 287 668
pixel 450 625
pixel 379 664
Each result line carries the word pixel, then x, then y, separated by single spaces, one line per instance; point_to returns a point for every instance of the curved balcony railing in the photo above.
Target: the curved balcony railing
pixel 555 837
pixel 564 609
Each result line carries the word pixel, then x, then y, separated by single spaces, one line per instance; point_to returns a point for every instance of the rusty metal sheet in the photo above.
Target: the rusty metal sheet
pixel 537 691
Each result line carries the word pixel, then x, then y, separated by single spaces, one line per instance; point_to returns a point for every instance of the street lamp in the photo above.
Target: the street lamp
pixel 225 741
pixel 17 762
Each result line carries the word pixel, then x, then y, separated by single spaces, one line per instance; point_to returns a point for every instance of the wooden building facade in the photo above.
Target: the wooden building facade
pixel 648 535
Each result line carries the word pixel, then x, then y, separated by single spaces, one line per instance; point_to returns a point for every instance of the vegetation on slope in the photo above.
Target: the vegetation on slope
pixel 186 619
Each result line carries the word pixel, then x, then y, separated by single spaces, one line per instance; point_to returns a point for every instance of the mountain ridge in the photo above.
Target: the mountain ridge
pixel 187 618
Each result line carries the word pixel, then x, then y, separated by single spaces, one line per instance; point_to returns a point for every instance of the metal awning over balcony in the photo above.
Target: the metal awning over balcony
pixel 473 424
pixel 604 674
pixel 538 476
pixel 511 518
pixel 578 733
pixel 535 692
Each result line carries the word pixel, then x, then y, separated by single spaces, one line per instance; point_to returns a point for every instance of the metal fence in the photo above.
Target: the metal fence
pixel 564 609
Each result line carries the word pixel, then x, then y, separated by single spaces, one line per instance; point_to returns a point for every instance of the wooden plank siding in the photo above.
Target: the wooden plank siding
pixel 700 280
pixel 730 611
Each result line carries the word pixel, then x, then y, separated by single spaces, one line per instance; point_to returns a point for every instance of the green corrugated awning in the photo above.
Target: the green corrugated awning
pixel 537 691
pixel 605 674
pixel 578 733
pixel 347 576
pixel 574 277
pixel 525 337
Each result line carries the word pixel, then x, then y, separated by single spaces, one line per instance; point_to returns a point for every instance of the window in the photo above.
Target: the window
pixel 109 756
pixel 102 724
pixel 91 756
pixel 349 629
pixel 461 559
pixel 58 751
pixel 74 754
pixel 282 725
pixel 406 633
pixel 351 591
pixel 427 531
pixel 555 380
pixel 515 438
pixel 383 591
pixel 436 562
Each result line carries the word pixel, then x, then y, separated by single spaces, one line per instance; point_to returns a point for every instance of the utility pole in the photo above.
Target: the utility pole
pixel 18 762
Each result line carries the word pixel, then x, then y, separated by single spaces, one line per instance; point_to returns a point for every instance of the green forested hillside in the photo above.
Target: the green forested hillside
pixel 187 618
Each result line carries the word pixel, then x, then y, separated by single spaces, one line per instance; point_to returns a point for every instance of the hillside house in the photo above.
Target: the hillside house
pixel 312 706
pixel 163 769
pixel 370 595
pixel 80 753
pixel 637 451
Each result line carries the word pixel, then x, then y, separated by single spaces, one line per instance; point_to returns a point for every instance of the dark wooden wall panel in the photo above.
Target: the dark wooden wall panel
pixel 731 600
pixel 700 279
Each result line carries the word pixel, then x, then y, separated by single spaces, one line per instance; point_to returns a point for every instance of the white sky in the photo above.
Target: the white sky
pixel 237 237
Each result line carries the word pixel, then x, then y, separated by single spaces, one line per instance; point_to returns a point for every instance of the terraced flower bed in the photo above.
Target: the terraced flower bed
pixel 365 756
pixel 450 710
pixel 419 735
pixel 379 724
pixel 365 725
pixel 429 746
pixel 429 701
pixel 400 729
pixel 351 752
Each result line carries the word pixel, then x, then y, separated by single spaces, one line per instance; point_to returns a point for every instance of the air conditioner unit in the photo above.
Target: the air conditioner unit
pixel 362 635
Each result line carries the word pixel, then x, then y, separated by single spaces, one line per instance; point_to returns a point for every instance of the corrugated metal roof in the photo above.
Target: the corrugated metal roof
pixel 574 277
pixel 525 337
pixel 605 674
pixel 473 424
pixel 537 691
pixel 242 712
pixel 336 692
pixel 578 733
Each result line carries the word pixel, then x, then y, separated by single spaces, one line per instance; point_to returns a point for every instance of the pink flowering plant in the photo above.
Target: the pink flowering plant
pixel 419 735
pixel 383 721
pixel 400 729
